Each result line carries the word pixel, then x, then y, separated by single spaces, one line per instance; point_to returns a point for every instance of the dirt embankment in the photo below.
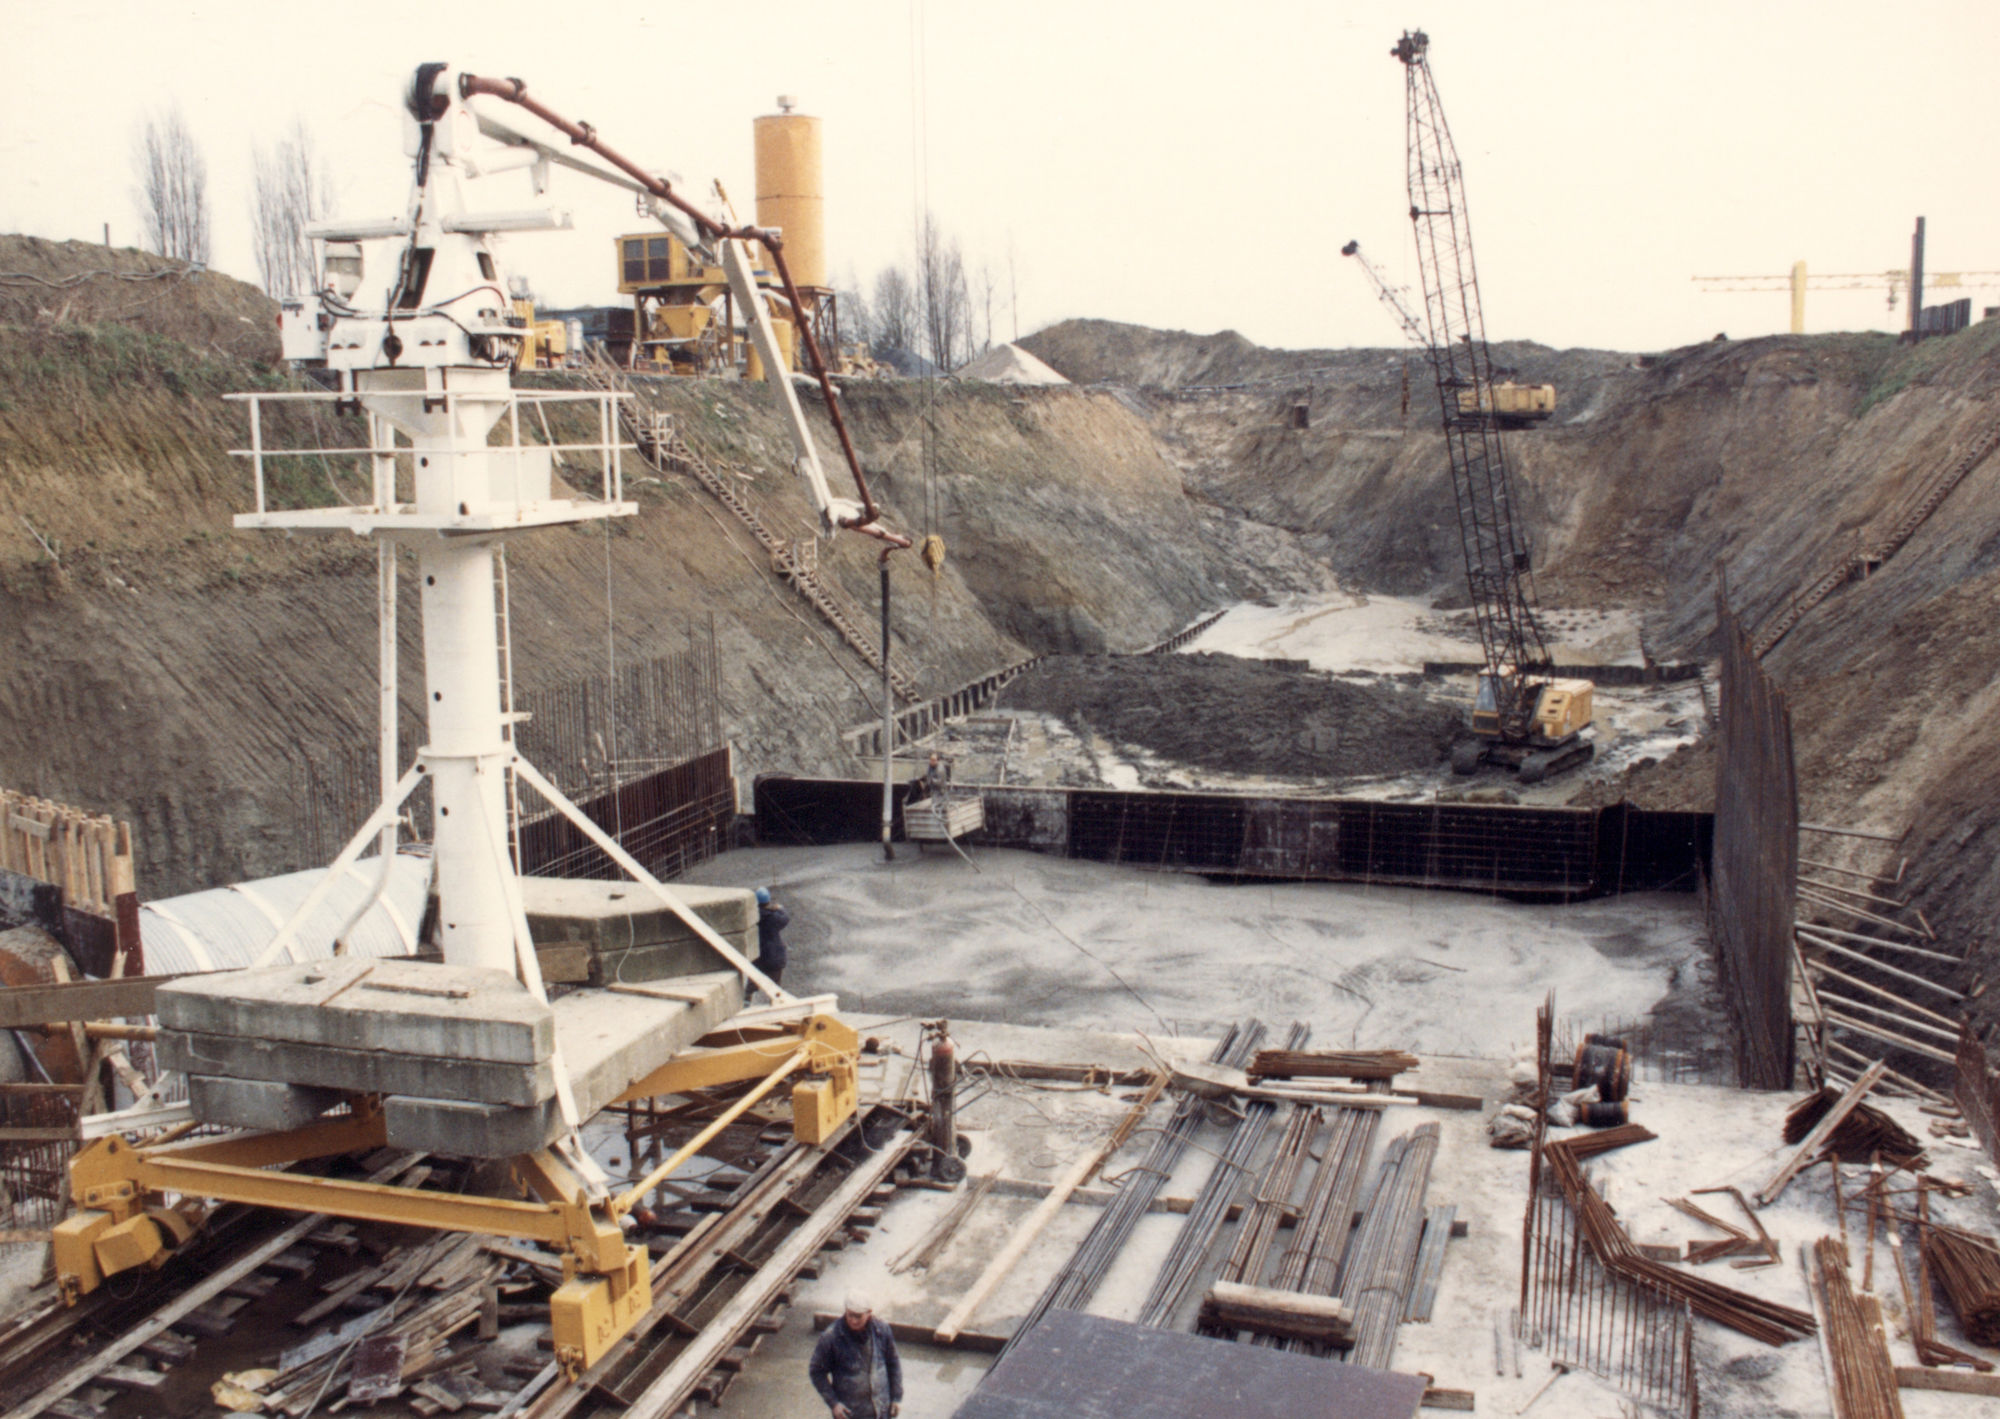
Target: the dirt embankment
pixel 1768 460
pixel 1243 717
pixel 165 668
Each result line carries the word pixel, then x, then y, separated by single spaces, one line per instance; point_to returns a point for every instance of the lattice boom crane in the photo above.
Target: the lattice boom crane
pixel 1523 716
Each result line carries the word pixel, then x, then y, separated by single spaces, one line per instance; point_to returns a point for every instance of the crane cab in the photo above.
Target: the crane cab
pixel 1555 738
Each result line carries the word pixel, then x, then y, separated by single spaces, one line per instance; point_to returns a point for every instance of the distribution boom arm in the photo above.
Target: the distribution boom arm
pixel 696 229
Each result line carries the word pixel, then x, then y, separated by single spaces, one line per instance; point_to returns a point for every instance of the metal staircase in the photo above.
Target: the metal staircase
pixel 660 442
pixel 1858 565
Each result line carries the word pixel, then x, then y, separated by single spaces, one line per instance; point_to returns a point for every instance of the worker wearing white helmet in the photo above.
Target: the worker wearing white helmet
pixel 855 1367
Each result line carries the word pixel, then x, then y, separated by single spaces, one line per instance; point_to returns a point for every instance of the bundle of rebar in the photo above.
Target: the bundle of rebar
pixel 1313 1263
pixel 1330 1064
pixel 1864 1132
pixel 1752 1315
pixel 1189 1253
pixel 1073 1286
pixel 1857 1351
pixel 1967 1267
pixel 1375 1278
pixel 1268 1208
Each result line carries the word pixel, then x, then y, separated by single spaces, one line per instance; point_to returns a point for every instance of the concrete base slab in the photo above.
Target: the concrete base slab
pixel 405 1007
pixel 630 935
pixel 459 1129
pixel 610 1039
pixel 256 1103
pixel 359 1071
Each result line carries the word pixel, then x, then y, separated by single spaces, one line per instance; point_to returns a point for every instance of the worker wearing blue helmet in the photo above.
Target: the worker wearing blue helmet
pixel 772 920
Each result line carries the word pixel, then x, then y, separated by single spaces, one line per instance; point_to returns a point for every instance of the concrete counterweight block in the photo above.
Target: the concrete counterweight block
pixel 463 1057
pixel 629 934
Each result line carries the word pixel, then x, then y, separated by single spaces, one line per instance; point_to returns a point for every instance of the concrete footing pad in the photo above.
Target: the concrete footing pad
pixel 629 935
pixel 465 1059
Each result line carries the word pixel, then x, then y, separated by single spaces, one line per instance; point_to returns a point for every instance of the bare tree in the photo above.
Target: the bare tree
pixel 988 285
pixel 946 301
pixel 291 189
pixel 895 311
pixel 857 321
pixel 173 188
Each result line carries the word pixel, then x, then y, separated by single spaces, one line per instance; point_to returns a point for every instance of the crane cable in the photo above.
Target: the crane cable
pixel 932 548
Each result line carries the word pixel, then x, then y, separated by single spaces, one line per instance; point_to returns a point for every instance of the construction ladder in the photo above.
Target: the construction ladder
pixel 661 445
pixel 1861 564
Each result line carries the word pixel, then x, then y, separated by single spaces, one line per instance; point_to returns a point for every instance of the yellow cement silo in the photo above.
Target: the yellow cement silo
pixel 789 194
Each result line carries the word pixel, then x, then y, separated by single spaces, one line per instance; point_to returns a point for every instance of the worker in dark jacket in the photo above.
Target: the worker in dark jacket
pixel 772 920
pixel 855 1367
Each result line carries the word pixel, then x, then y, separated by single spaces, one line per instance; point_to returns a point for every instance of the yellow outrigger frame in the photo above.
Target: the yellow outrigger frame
pixel 124 1219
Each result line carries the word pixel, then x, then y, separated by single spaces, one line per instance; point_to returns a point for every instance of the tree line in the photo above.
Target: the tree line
pixel 290 189
pixel 934 307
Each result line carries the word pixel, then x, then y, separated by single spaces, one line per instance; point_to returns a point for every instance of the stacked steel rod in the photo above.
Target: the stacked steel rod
pixel 1857 1351
pixel 1327 1217
pixel 1078 1280
pixel 1967 1266
pixel 1190 1250
pixel 1375 1278
pixel 1267 1210
pixel 1752 1315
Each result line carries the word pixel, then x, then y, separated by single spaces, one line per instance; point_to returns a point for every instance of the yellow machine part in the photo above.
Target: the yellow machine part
pixel 681 322
pixel 1565 709
pixel 589 1314
pixel 650 260
pixel 525 357
pixel 119 1223
pixel 1513 401
pixel 783 329
pixel 551 339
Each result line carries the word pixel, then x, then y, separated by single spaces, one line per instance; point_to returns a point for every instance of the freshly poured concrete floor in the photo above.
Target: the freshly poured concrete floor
pixel 1033 940
pixel 1083 962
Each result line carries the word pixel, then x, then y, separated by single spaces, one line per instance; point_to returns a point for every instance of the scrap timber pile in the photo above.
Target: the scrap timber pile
pixel 1859 1221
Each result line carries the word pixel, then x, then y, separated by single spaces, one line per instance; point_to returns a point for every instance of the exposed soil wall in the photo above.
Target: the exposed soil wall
pixel 163 667
pixel 1768 459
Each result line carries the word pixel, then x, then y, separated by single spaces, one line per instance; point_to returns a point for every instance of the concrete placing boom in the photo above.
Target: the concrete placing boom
pixel 1523 716
pixel 470 1057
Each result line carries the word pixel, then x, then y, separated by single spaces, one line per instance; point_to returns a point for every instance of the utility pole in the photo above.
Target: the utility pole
pixel 1916 284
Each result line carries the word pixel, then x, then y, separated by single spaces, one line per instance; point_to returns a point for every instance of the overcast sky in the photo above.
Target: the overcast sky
pixel 1181 165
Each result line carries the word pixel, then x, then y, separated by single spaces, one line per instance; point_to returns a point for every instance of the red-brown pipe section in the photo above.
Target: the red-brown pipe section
pixel 515 91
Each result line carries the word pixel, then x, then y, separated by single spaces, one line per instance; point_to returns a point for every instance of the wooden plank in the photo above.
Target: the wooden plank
pixel 1814 1141
pixel 26 1005
pixel 1238 1296
pixel 111 1352
pixel 1954 1381
pixel 1460 1399
pixel 979 1342
pixel 1025 1234
pixel 666 1394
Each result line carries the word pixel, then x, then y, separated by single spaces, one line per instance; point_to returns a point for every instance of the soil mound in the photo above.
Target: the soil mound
pixel 1250 717
pixel 68 283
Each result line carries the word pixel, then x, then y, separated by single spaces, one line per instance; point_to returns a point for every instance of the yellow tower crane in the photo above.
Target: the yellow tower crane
pixel 1893 283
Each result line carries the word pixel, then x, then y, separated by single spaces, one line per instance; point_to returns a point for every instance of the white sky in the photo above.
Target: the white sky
pixel 1181 165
